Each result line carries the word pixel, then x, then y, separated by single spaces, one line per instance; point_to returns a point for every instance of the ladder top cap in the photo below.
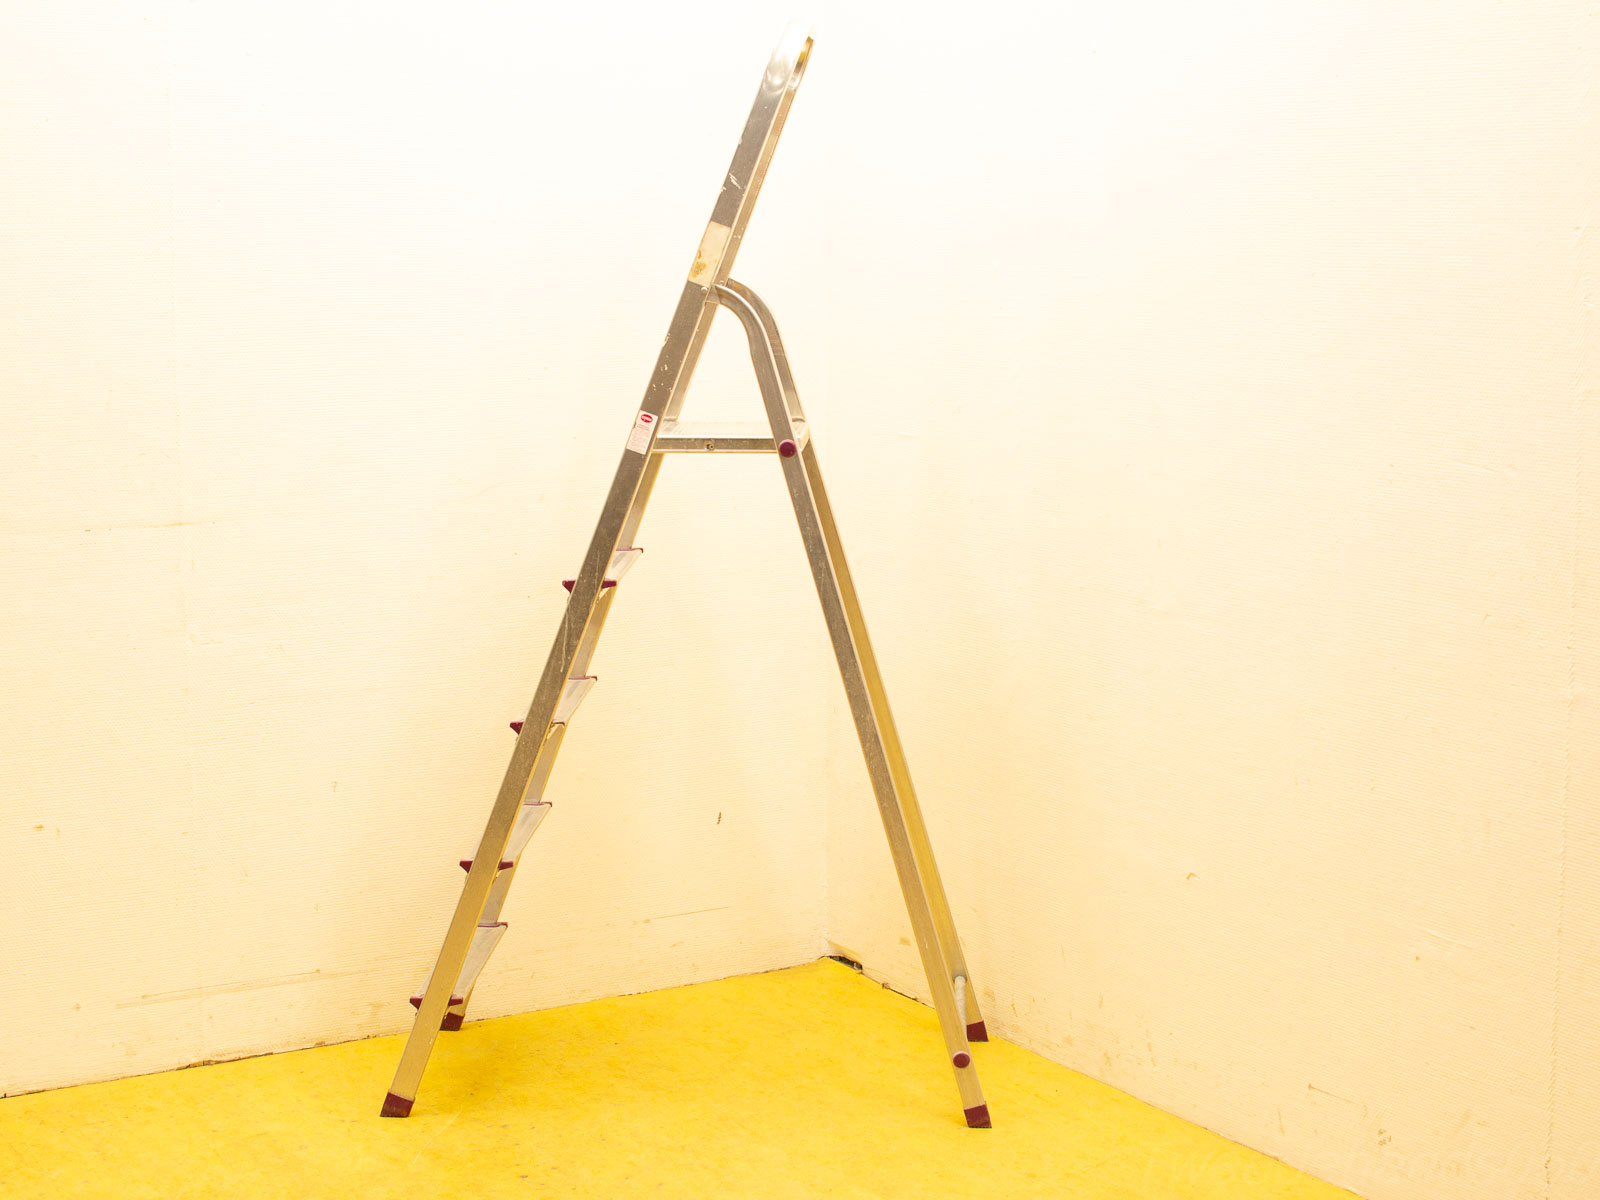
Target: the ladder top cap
pixel 788 61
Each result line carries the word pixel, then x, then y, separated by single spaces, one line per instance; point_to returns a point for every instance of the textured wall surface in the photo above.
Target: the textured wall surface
pixel 1206 395
pixel 1221 484
pixel 323 327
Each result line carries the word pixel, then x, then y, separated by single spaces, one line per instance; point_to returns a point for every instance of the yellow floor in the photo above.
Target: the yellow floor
pixel 807 1082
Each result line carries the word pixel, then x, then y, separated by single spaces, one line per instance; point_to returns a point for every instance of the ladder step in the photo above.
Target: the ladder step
pixel 723 437
pixel 528 818
pixel 571 696
pixel 484 940
pixel 621 561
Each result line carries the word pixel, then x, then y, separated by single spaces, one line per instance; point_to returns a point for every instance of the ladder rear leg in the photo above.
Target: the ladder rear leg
pixel 948 987
pixel 826 557
pixel 950 943
pixel 916 828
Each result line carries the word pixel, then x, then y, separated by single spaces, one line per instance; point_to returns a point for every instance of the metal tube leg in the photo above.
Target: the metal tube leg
pixel 917 829
pixel 955 958
pixel 913 882
pixel 826 557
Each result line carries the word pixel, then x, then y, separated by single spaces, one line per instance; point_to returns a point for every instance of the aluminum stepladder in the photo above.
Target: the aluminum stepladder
pixel 519 807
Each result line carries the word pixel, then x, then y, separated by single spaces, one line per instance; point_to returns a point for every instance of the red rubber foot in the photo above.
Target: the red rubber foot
pixel 516 727
pixel 452 1022
pixel 397 1106
pixel 977 1118
pixel 977 1033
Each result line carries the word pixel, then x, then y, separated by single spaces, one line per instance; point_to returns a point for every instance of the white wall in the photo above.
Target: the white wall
pixel 1219 476
pixel 1205 394
pixel 323 329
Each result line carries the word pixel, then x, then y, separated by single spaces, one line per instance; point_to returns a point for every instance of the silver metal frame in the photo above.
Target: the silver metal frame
pixel 658 431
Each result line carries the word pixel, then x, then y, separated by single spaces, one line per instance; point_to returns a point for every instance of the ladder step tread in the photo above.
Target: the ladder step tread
pixel 621 562
pixel 528 818
pixel 484 940
pixel 571 696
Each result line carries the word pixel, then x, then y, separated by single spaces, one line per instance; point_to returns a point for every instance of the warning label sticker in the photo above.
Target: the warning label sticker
pixel 639 436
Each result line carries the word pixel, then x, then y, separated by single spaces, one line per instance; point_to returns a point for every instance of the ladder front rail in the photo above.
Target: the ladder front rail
pixel 552 743
pixel 623 511
pixel 532 758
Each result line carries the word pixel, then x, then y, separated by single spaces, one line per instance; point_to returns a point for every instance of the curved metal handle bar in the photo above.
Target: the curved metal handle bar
pixel 766 355
pixel 926 903
pixel 736 298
